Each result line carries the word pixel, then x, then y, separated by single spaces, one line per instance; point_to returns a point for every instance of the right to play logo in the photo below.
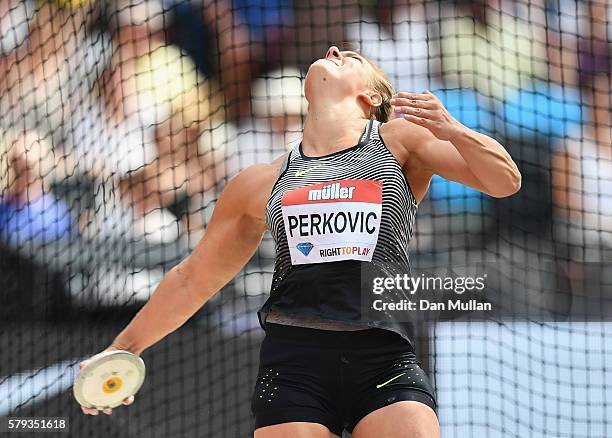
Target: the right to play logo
pixel 305 247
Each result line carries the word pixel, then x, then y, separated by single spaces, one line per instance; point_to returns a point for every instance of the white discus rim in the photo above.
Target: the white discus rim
pixel 109 379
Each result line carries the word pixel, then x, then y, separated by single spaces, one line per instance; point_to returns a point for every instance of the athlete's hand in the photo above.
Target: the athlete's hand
pixel 425 109
pixel 93 411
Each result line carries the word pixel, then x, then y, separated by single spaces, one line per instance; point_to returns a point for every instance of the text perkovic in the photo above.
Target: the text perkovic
pixel 321 218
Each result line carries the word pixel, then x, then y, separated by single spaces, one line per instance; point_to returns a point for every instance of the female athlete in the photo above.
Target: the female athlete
pixel 346 197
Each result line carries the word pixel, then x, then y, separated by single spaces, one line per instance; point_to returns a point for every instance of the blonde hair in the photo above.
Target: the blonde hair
pixel 382 85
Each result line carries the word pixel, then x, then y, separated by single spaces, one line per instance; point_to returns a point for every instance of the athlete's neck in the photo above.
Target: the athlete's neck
pixel 331 128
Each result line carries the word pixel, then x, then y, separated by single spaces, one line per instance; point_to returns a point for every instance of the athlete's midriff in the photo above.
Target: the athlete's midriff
pixel 280 317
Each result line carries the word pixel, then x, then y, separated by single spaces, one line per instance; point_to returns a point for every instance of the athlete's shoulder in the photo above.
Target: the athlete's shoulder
pixel 408 134
pixel 261 172
pixel 405 139
pixel 251 188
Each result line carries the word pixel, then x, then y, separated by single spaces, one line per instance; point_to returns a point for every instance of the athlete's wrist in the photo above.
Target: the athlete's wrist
pixel 457 131
pixel 115 346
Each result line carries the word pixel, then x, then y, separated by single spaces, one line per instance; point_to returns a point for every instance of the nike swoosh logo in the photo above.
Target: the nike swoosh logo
pixel 304 172
pixel 389 381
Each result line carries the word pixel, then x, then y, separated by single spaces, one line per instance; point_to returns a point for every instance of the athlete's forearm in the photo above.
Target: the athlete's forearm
pixel 172 304
pixel 228 244
pixel 488 161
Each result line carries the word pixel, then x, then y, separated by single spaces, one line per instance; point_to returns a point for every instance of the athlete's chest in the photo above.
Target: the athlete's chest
pixel 332 210
pixel 366 164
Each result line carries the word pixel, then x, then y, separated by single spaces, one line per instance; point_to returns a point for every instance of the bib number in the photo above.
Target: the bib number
pixel 333 221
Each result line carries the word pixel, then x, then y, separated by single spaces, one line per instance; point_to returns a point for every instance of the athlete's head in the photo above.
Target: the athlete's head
pixel 349 75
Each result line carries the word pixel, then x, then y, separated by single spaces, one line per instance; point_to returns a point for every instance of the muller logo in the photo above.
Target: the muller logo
pixel 331 191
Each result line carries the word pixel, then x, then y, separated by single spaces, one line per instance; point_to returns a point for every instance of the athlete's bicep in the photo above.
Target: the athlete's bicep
pixel 234 232
pixel 422 154
pixel 443 159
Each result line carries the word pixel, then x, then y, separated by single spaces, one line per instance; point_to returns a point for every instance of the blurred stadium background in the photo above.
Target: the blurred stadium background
pixel 122 120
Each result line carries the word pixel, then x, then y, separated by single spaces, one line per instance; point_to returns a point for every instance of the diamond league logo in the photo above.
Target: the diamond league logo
pixel 305 247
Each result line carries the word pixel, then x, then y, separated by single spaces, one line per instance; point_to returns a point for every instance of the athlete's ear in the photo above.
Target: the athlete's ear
pixel 375 99
pixel 371 99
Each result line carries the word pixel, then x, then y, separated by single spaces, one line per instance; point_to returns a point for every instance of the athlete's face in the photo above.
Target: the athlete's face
pixel 340 74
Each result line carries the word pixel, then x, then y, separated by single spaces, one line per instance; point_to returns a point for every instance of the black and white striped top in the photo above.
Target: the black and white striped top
pixel 334 290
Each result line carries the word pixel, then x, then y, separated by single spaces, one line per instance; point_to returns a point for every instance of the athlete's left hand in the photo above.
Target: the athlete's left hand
pixel 425 109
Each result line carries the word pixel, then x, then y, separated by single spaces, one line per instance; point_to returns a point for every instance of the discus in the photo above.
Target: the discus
pixel 108 379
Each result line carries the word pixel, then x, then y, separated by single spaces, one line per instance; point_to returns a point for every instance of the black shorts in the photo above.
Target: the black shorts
pixel 334 378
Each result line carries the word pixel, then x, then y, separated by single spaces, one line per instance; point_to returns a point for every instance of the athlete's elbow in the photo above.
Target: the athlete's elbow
pixel 510 185
pixel 517 179
pixel 514 180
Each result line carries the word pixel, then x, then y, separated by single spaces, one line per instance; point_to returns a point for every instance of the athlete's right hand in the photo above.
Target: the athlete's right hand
pixel 93 411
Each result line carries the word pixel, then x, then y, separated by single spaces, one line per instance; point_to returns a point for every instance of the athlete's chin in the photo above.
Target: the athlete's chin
pixel 323 83
pixel 322 62
pixel 321 69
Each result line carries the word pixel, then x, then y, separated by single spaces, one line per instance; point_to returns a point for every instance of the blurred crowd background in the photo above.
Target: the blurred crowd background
pixel 122 120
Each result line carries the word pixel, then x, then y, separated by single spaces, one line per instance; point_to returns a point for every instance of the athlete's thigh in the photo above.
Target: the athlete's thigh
pixel 294 430
pixel 404 419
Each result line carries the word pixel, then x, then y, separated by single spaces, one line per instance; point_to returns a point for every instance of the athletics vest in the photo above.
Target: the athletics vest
pixel 332 218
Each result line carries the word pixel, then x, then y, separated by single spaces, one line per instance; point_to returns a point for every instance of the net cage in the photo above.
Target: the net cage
pixel 121 121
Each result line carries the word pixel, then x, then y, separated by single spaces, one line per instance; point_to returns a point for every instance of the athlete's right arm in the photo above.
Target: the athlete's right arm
pixel 232 236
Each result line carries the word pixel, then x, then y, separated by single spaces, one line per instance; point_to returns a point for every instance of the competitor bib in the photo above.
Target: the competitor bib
pixel 336 220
